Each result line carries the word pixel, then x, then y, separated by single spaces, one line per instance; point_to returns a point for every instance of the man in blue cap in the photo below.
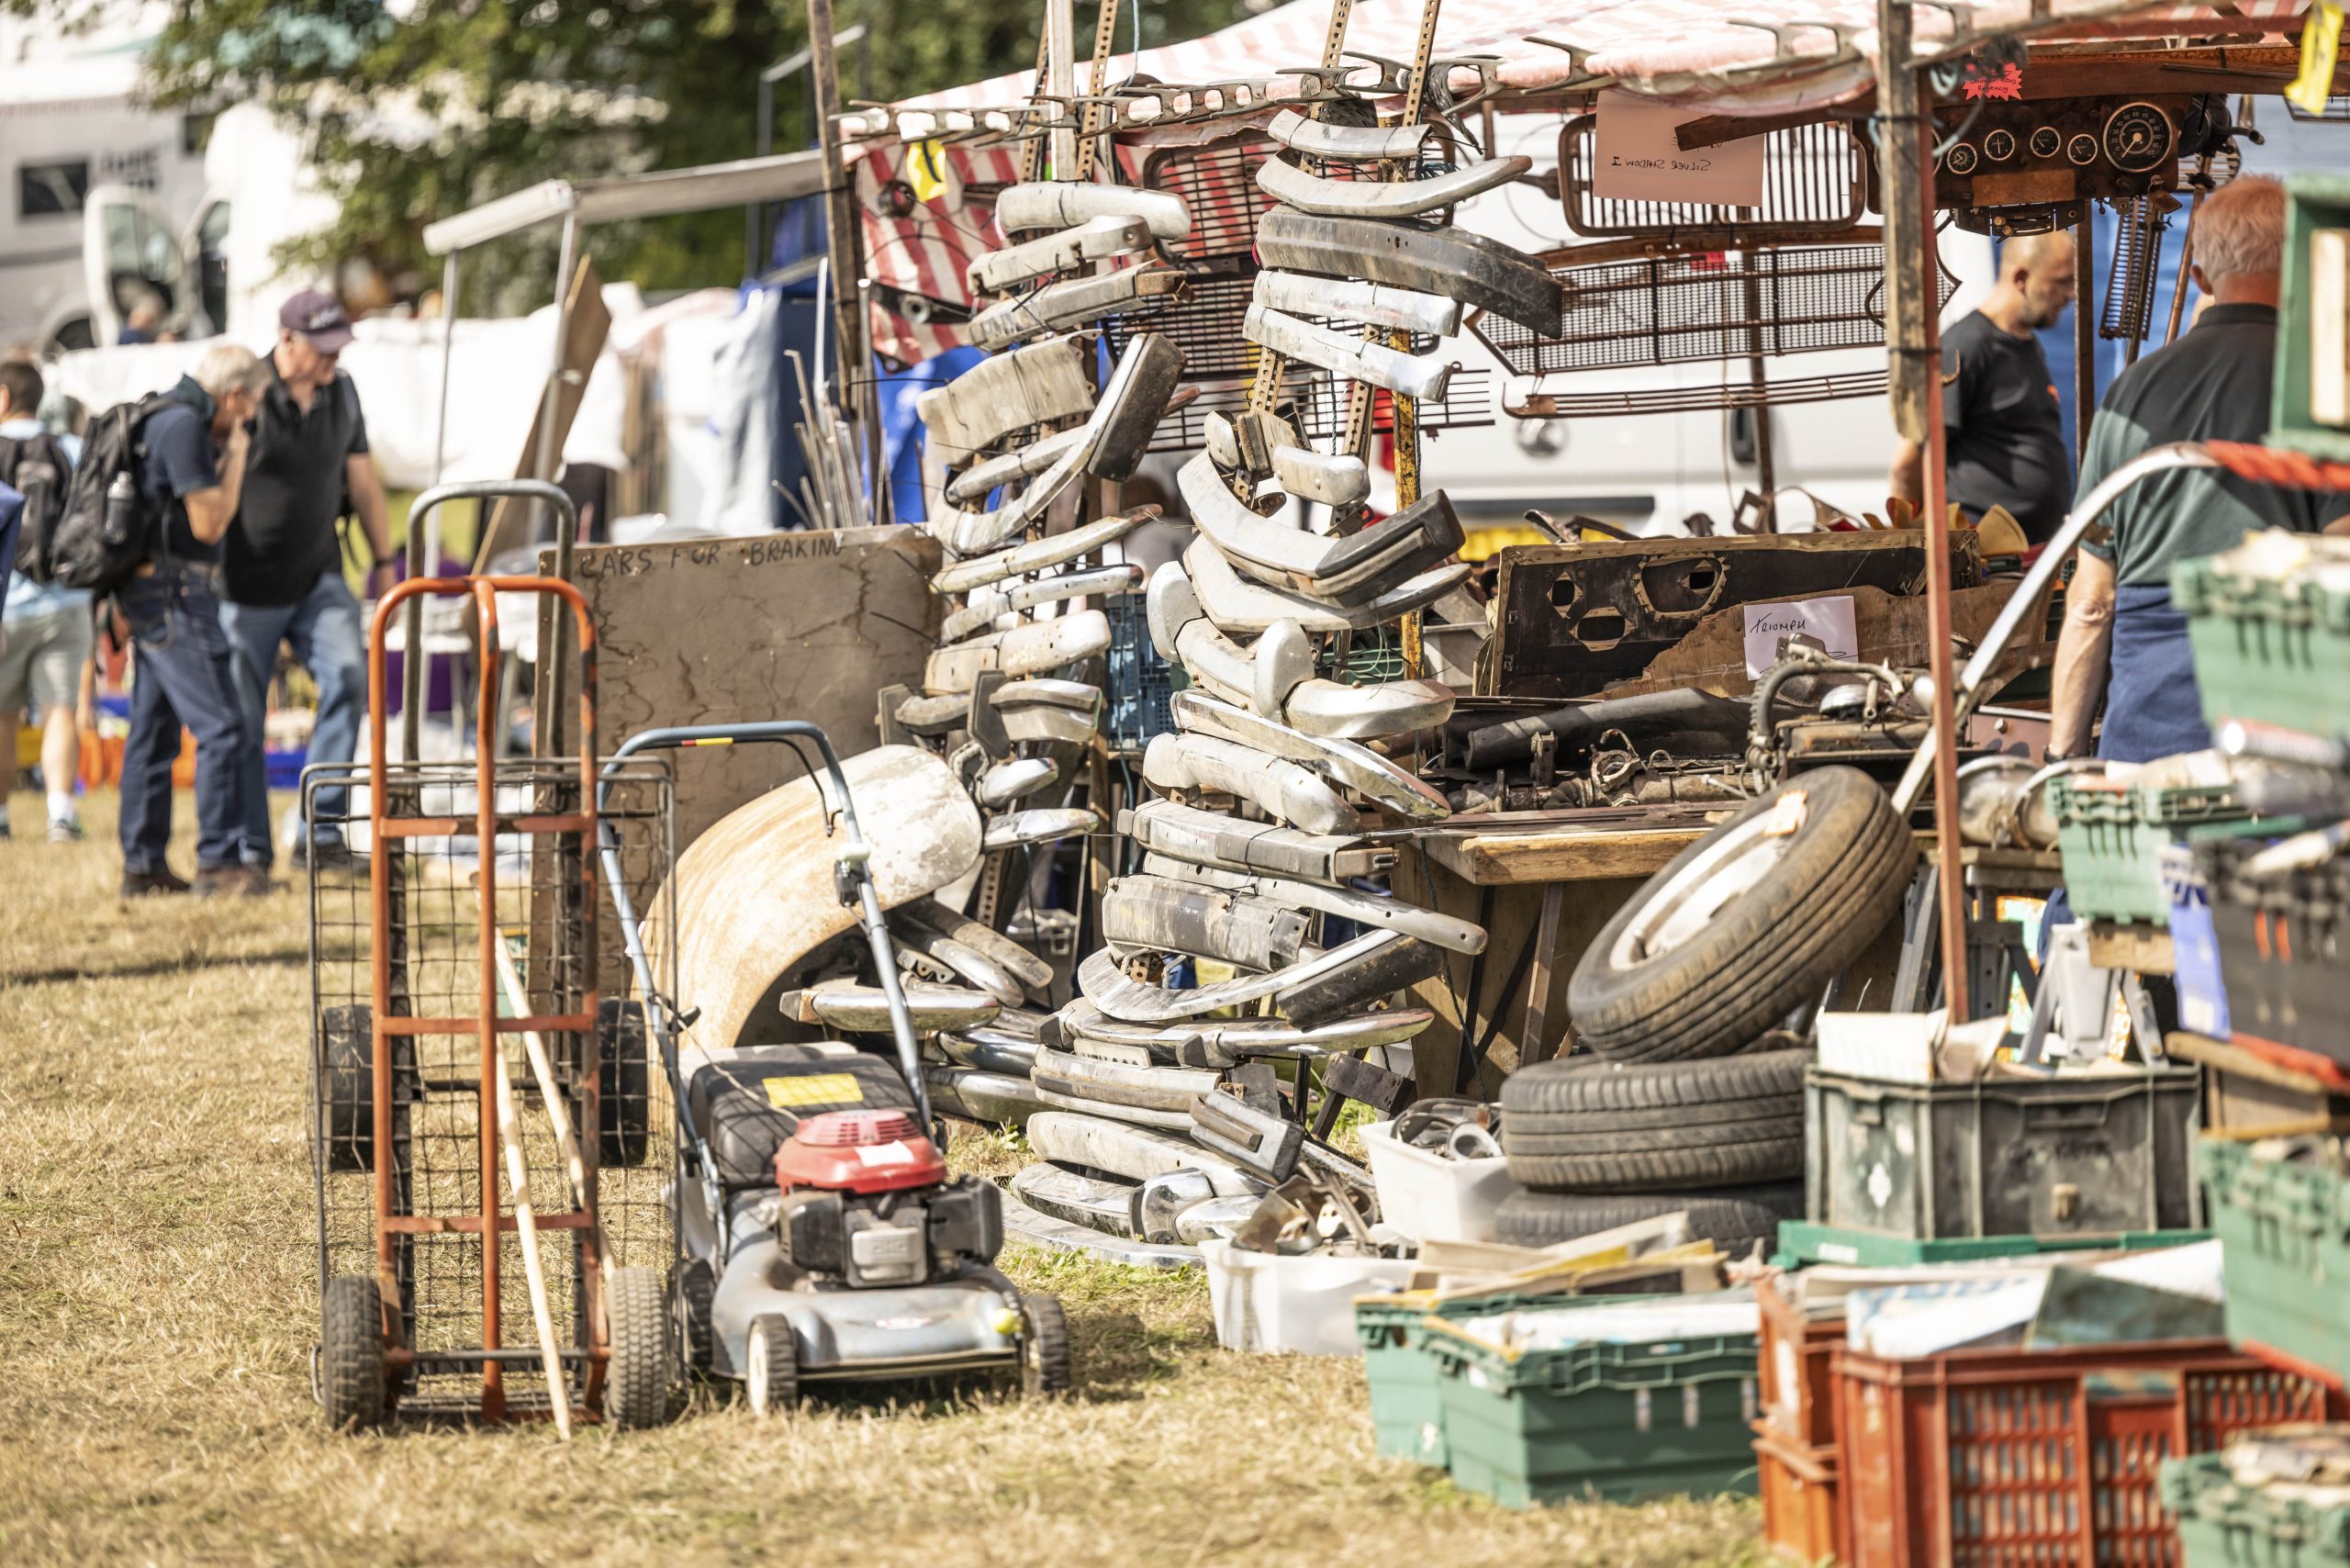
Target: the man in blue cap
pixel 282 571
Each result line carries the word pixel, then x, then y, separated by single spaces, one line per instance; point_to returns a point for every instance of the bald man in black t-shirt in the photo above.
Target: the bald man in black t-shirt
pixel 2003 435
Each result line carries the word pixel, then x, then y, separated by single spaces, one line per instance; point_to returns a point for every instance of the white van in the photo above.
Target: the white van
pixel 1648 472
pixel 108 197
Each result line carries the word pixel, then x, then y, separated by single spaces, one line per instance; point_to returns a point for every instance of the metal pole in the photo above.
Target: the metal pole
pixel 1913 336
pixel 555 647
pixel 754 216
pixel 2083 330
pixel 853 387
pixel 412 619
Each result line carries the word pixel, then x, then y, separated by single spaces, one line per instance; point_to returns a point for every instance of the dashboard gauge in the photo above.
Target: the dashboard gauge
pixel 2046 141
pixel 2137 138
pixel 2082 150
pixel 2000 146
pixel 1961 159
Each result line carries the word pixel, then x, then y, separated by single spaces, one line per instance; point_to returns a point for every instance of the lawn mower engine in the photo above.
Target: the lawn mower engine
pixel 866 1201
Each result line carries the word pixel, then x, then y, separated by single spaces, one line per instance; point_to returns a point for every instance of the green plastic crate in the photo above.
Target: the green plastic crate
pixel 1618 1422
pixel 2271 652
pixel 1802 1242
pixel 2313 201
pixel 2112 838
pixel 1406 1413
pixel 2224 1524
pixel 2284 1231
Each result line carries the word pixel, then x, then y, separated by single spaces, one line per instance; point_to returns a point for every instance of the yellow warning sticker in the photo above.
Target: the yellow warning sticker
pixel 823 1089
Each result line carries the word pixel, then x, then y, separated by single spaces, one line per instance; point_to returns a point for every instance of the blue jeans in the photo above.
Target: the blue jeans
pixel 181 677
pixel 329 635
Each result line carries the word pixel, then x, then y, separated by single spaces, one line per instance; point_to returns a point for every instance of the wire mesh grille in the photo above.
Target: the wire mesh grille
pixel 1706 304
pixel 623 1123
pixel 1814 179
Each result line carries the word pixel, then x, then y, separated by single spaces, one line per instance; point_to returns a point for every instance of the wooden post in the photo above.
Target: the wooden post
pixel 1913 379
pixel 853 369
pixel 2084 329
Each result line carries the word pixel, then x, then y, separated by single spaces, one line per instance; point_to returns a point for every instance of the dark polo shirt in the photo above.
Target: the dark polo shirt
pixel 2212 384
pixel 284 540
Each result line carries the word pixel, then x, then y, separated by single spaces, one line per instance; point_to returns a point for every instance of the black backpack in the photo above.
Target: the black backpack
pixel 97 545
pixel 37 468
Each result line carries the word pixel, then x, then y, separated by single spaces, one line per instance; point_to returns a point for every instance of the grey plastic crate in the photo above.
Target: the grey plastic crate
pixel 2072 1156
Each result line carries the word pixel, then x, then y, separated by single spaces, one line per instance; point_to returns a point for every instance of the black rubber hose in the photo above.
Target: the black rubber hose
pixel 1684 711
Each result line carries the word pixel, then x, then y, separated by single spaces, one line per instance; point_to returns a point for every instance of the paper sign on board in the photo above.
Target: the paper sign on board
pixel 1634 158
pixel 1826 624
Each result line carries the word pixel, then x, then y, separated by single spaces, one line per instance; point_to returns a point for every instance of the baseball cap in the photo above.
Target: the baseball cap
pixel 315 315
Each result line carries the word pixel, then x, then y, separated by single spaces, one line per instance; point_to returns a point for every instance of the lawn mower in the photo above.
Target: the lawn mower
pixel 819 1238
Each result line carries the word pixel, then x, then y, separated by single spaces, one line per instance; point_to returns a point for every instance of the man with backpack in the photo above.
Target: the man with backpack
pixel 177 465
pixel 44 626
pixel 281 572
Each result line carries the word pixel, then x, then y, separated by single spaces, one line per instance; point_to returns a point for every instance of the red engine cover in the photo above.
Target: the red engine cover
pixel 858 1151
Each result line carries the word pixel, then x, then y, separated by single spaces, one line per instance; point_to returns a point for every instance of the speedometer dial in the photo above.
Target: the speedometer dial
pixel 2137 138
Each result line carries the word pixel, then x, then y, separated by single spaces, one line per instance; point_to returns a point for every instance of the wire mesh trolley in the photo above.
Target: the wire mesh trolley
pixel 471 932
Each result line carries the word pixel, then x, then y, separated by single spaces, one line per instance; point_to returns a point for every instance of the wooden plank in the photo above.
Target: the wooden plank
pixel 2144 949
pixel 2233 1058
pixel 1559 855
pixel 586 324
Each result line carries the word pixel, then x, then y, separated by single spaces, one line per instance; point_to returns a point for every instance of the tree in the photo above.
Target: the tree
pixel 420 110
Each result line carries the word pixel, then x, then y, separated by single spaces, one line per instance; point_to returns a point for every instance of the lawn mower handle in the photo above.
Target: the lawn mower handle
pixel 853 871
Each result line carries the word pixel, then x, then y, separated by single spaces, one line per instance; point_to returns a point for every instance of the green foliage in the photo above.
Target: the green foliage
pixel 420 111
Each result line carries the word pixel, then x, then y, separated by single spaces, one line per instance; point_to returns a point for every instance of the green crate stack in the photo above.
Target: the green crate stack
pixel 2284 1230
pixel 1618 1422
pixel 1406 1410
pixel 1802 1242
pixel 2313 201
pixel 2269 650
pixel 2112 841
pixel 2223 1523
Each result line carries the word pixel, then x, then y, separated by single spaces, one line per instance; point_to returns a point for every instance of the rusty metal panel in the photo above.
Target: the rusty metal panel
pixel 780 626
pixel 1575 618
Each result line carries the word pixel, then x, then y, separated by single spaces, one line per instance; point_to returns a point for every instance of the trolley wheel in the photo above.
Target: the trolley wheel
pixel 346 1073
pixel 351 1353
pixel 624 1091
pixel 636 1380
pixel 1043 1353
pixel 773 1372
pixel 691 1289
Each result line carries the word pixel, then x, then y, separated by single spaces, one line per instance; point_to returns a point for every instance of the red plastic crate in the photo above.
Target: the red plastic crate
pixel 1797 1391
pixel 1803 1516
pixel 2038 1456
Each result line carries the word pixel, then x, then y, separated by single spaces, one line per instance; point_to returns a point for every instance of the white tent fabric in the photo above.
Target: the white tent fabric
pixel 1674 49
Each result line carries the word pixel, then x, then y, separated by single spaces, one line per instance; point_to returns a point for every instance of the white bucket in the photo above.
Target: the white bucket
pixel 1430 1198
pixel 1305 1305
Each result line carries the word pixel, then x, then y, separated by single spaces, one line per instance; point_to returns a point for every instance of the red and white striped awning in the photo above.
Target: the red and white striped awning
pixel 1759 57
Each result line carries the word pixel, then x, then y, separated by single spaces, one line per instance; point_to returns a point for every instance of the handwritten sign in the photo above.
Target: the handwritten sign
pixel 1634 158
pixel 1826 623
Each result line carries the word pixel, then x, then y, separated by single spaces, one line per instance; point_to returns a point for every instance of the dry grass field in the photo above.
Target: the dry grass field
pixel 157 1312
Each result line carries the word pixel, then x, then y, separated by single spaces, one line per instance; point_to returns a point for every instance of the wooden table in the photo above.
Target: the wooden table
pixel 1512 872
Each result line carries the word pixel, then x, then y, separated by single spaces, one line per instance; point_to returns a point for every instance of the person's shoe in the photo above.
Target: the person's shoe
pixel 232 881
pixel 4 835
pixel 64 830
pixel 141 884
